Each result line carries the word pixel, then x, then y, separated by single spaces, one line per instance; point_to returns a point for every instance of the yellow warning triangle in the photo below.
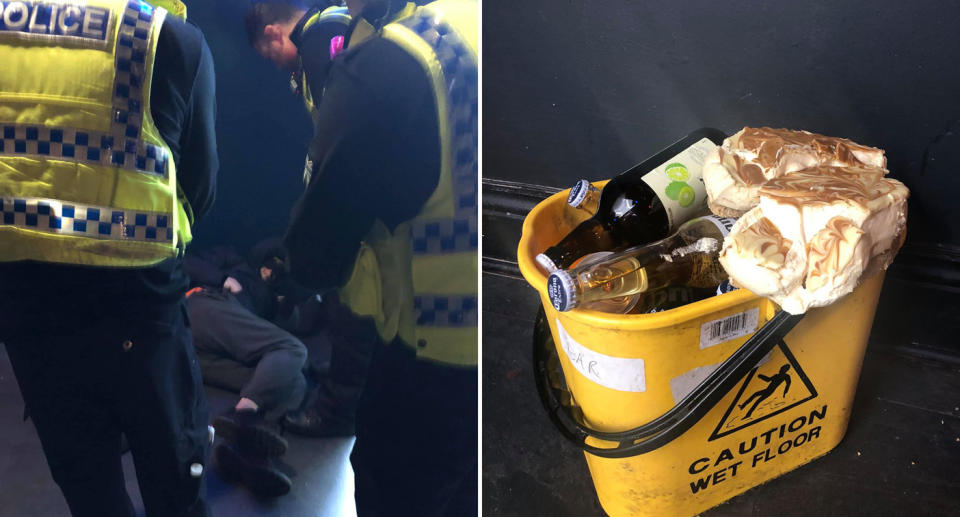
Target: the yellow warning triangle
pixel 771 388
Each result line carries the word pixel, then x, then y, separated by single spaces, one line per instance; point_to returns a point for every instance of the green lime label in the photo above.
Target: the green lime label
pixel 677 172
pixel 673 189
pixel 678 182
pixel 687 195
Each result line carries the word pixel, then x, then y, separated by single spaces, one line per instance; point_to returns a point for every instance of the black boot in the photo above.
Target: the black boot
pixel 257 474
pixel 252 435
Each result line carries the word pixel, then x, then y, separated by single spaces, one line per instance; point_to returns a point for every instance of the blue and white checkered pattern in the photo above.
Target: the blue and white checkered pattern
pixel 459 68
pixel 79 146
pixel 460 76
pixel 52 216
pixel 128 102
pixel 444 235
pixel 446 311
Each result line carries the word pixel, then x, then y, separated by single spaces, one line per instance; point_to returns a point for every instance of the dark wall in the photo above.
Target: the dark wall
pixel 574 89
pixel 262 134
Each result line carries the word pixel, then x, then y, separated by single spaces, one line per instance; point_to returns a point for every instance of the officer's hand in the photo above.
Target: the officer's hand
pixel 231 284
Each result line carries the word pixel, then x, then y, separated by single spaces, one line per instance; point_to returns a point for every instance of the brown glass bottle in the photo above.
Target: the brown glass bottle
pixel 643 204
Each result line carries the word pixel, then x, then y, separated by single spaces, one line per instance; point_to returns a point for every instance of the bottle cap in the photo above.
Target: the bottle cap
pixel 561 292
pixel 725 287
pixel 546 263
pixel 578 193
pixel 196 470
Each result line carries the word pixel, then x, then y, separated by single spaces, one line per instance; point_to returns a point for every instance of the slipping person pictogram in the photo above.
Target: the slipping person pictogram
pixel 761 397
pixel 773 383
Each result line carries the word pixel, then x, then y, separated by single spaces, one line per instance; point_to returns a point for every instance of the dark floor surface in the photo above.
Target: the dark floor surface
pixel 900 456
pixel 323 480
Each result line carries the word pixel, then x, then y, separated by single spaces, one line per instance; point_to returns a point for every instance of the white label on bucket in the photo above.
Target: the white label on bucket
pixel 724 329
pixel 618 373
pixel 683 384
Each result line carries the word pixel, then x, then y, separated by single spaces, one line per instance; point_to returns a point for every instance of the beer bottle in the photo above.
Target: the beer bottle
pixel 643 204
pixel 688 257
pixel 671 297
pixel 664 299
pixel 584 196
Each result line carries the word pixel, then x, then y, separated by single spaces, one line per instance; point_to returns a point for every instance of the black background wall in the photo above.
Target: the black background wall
pixel 262 134
pixel 575 88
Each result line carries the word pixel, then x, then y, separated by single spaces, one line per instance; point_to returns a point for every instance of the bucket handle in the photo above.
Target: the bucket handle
pixel 676 421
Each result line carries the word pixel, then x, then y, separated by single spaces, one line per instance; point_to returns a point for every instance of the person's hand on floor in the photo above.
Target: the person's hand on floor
pixel 231 284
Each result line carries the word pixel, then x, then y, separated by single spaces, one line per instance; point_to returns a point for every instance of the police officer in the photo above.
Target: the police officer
pixel 298 37
pixel 108 157
pixel 303 39
pixel 389 221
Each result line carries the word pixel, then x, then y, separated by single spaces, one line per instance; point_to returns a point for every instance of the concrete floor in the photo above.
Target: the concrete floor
pixel 320 468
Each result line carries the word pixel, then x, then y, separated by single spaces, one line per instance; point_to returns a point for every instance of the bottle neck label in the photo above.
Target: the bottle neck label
pixel 679 183
pixel 724 224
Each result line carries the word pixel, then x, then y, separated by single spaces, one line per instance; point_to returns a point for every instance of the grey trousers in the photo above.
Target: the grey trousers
pixel 242 352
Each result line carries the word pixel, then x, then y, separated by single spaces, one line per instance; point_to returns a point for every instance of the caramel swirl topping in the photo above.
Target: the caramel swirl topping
pixel 748 172
pixel 764 241
pixel 830 250
pixel 774 148
pixel 827 184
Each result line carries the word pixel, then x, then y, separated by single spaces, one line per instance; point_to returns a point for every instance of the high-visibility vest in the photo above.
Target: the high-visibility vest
pixel 85 177
pixel 419 282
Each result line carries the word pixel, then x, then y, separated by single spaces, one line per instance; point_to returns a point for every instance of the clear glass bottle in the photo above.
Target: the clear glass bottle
pixel 670 297
pixel 689 257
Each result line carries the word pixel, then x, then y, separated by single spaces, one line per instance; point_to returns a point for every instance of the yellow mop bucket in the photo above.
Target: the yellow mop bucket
pixel 678 411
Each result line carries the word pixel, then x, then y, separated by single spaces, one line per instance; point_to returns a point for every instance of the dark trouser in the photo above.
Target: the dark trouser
pixel 416 448
pixel 243 352
pixel 353 341
pixel 85 387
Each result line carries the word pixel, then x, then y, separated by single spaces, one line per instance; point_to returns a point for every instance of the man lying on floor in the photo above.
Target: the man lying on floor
pixel 234 311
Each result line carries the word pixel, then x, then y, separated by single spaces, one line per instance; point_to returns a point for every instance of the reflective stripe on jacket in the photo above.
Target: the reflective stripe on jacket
pixel 85 177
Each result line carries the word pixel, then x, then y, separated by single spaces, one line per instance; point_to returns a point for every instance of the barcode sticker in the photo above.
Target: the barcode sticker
pixel 739 325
